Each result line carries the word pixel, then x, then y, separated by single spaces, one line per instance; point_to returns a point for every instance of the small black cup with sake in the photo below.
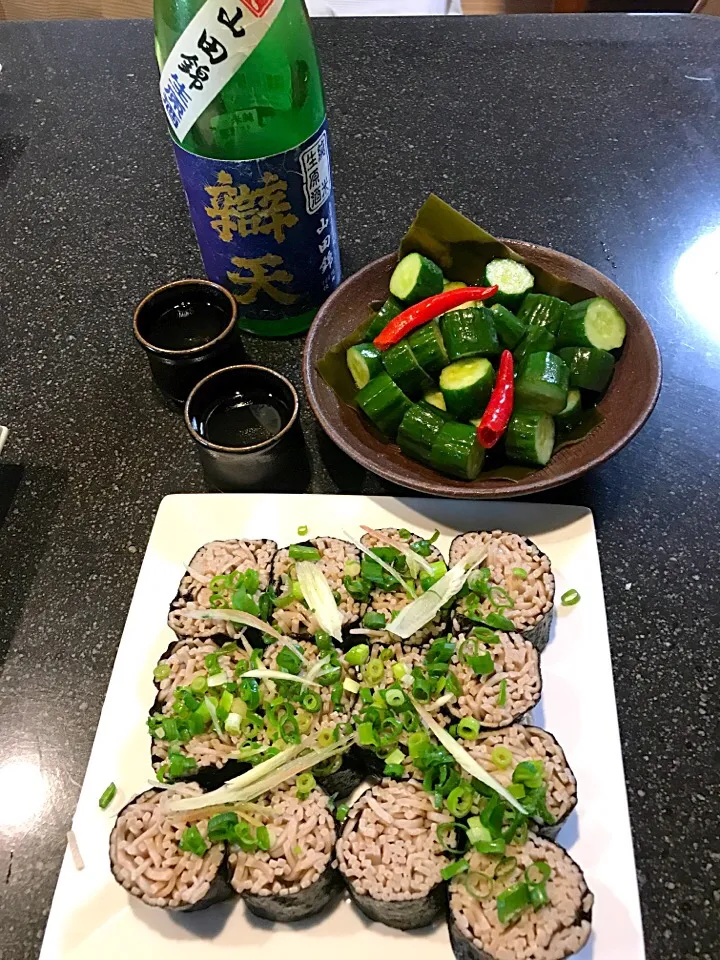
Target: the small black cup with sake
pixel 244 421
pixel 188 329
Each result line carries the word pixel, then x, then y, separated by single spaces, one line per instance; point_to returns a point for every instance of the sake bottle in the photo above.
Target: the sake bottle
pixel 241 89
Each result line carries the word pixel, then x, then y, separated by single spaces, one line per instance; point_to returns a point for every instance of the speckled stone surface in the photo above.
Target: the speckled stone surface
pixel 597 136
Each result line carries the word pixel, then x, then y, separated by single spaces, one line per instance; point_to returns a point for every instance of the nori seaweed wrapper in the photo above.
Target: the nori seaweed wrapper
pixel 539 633
pixel 291 907
pixel 219 890
pixel 402 914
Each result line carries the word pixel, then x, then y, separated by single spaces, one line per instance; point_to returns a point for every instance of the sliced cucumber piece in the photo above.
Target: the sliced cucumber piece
pixel 453 285
pixel 400 363
pixel 429 348
pixel 571 413
pixel 466 386
pixel 542 383
pixel 593 323
pixel 383 402
pixel 456 451
pixel 469 333
pixel 513 281
pixel 538 309
pixel 530 438
pixel 536 340
pixel 435 399
pixel 417 431
pixel 590 368
pixel 390 309
pixel 510 329
pixel 416 278
pixel 364 362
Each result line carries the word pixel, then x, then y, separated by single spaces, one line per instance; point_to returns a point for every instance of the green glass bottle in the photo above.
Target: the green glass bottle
pixel 242 91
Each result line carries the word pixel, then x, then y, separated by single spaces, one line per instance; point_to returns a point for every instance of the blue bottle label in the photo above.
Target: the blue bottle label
pixel 266 228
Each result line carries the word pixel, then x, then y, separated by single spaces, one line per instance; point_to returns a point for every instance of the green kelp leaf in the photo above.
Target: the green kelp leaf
pixel 591 420
pixel 463 249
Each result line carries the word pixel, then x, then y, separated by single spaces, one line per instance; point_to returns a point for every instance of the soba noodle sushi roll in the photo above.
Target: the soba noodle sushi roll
pixel 223 573
pixel 165 860
pixel 188 743
pixel 335 559
pixel 530 761
pixel 390 857
pixel 212 718
pixel 514 583
pixel 500 680
pixel 292 876
pixel 404 552
pixel 534 903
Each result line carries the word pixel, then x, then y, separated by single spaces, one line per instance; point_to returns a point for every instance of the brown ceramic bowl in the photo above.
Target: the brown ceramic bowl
pixel 626 406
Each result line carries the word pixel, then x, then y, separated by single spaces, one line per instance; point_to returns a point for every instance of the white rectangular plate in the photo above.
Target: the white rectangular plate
pixel 93 917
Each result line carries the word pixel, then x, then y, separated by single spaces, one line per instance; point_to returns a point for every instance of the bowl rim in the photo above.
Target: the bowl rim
pixel 495 488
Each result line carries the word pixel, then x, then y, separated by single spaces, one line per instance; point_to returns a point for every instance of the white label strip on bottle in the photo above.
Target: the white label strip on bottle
pixel 213 46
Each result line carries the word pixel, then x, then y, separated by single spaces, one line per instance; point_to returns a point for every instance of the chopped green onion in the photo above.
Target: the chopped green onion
pixel 538 872
pixel 502 695
pixel 512 901
pixel 323 640
pixel 485 635
pixel 501 757
pixel 397 756
pixel 336 694
pixel 505 867
pixel 374 621
pixel 477 831
pixel 393 770
pixel 161 671
pixel 366 735
pixel 352 686
pixel 520 573
pixel 326 737
pixel 479 886
pixel 311 702
pixel 394 698
pixel 304 784
pixel 366 694
pixel 357 655
pixel 387 653
pixel 498 622
pixel 570 598
pixel 264 838
pixel 374 672
pixel 482 665
pixel 443 829
pixel 468 728
pixel 342 812
pixel 221 826
pixel 501 592
pixel 529 773
pixel 302 531
pixel 399 670
pixel 217 679
pixel 289 660
pixel 517 790
pixel 538 896
pixel 107 796
pixel 404 534
pixel 452 684
pixel 460 800
pixel 198 684
pixel 453 869
pixel 297 551
pixel 491 847
pixel 232 724
pixel 192 842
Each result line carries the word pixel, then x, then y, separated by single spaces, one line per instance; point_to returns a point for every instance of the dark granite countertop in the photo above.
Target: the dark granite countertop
pixel 594 135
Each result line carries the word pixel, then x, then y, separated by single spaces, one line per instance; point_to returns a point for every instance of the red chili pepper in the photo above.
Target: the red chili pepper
pixel 499 410
pixel 425 311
